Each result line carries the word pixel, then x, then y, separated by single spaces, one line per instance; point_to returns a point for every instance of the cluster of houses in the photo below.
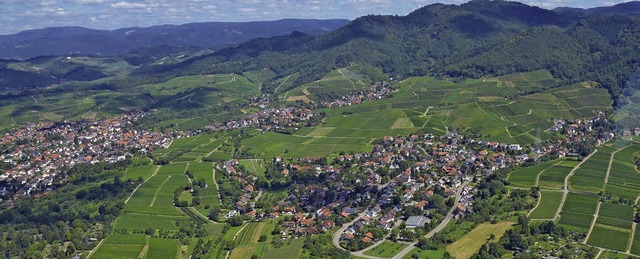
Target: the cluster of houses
pixel 35 156
pixel 270 119
pixel 374 92
pixel 403 172
pixel 244 201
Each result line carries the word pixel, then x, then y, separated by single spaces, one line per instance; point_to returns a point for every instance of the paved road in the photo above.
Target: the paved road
pixel 442 224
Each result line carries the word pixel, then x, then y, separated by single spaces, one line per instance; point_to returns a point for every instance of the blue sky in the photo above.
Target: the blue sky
pixel 19 15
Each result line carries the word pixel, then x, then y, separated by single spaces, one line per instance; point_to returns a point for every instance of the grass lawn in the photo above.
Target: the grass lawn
pixel 386 249
pixel 470 243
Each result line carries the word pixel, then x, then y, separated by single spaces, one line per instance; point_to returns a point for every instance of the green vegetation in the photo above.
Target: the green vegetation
pixel 577 212
pixel 527 176
pixel 386 250
pixel 590 176
pixel 548 206
pixel 553 177
pixel 470 243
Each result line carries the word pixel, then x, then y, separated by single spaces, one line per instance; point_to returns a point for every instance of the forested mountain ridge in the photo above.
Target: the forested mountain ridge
pixel 475 39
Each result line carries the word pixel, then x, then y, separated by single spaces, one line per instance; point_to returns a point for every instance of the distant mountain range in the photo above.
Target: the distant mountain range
pixel 629 9
pixel 82 41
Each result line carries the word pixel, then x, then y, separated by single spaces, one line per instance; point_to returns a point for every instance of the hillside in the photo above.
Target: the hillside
pixel 479 38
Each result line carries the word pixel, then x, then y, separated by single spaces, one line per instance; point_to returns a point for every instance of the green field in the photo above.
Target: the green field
pixel 386 250
pixel 121 246
pixel 162 248
pixel 624 178
pixel 590 176
pixel 293 250
pixel 617 211
pixel 635 246
pixel 553 177
pixel 578 211
pixel 470 243
pixel 610 238
pixel 548 206
pixel 526 177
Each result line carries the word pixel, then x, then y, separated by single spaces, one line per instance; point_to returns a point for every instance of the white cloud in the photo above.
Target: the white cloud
pixel 88 1
pixel 128 5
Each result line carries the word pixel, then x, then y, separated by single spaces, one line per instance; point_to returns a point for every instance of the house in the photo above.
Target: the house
pixel 417 221
pixel 515 147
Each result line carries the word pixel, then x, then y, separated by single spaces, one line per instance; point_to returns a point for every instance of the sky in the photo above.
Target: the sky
pixel 19 15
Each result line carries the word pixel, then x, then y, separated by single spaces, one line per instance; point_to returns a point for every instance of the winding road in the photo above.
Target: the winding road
pixel 442 224
pixel 404 252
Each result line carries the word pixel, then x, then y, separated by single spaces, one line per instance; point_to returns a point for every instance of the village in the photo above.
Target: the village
pixel 34 157
pixel 400 190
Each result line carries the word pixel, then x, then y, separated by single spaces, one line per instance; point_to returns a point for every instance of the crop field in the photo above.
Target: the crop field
pixel 293 250
pixel 386 250
pixel 248 240
pixel 118 251
pixel 553 177
pixel 470 243
pixel 162 248
pixel 590 176
pixel 487 105
pixel 134 172
pixel 338 82
pixel 576 221
pixel 635 246
pixel 608 237
pixel 618 211
pixel 624 179
pixel 121 246
pixel 526 177
pixel 549 203
pixel 578 211
pixel 131 221
pixel 250 233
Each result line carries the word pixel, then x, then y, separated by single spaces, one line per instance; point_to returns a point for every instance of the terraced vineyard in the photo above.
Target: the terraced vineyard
pixel 600 200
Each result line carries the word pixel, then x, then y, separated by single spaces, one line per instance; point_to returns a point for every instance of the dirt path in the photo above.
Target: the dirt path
pixel 285 80
pixel 633 233
pixel 216 183
pixel 537 204
pixel 593 223
pixel 145 249
pixel 565 191
pixel 234 239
